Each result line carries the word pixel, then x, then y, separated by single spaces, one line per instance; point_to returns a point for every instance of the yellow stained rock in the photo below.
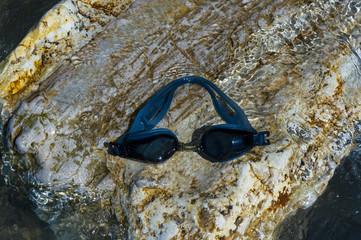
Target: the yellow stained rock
pixel 61 32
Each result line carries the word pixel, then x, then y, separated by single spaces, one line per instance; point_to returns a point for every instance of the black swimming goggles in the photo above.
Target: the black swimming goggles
pixel 217 143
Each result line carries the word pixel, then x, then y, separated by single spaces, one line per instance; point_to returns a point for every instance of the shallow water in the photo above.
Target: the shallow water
pixel 335 215
pixel 17 220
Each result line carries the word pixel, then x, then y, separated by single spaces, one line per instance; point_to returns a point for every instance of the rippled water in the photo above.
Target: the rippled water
pixel 335 215
pixel 17 220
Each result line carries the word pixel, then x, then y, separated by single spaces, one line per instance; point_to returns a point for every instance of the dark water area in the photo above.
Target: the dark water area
pixel 17 220
pixel 335 215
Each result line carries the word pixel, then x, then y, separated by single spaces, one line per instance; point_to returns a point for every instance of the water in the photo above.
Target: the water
pixel 335 215
pixel 337 212
pixel 17 220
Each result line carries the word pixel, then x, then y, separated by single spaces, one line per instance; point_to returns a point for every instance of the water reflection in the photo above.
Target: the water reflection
pixel 17 221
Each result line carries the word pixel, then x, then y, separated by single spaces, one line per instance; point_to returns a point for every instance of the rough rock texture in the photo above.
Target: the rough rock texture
pixel 293 66
pixel 61 32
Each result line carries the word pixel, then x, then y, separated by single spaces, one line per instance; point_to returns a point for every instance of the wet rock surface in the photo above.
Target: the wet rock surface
pixel 292 66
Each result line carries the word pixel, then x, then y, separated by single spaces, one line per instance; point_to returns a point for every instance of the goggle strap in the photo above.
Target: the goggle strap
pixel 153 111
pixel 159 108
pixel 150 115
pixel 224 108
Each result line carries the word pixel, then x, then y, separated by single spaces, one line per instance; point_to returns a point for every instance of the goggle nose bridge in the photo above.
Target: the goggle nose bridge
pixel 191 146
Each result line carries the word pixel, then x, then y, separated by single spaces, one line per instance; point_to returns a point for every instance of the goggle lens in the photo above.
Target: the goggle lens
pixel 224 144
pixel 152 149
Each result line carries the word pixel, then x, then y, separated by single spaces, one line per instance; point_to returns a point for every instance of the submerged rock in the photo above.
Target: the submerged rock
pixel 293 67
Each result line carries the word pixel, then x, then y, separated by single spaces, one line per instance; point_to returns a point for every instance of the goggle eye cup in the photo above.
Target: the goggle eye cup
pixel 220 145
pixel 155 148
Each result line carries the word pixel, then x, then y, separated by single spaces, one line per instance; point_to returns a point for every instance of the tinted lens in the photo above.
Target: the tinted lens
pixel 223 144
pixel 153 149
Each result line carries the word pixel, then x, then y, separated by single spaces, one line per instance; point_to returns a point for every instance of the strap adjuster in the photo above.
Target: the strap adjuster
pixel 260 139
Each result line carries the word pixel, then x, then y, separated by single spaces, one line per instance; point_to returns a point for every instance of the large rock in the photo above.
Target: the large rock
pixel 293 67
pixel 61 32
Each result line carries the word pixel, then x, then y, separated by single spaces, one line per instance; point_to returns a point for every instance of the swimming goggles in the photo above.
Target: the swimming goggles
pixel 218 143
